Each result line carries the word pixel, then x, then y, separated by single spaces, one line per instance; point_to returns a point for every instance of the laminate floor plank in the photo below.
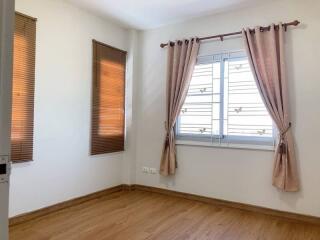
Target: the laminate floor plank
pixel 141 215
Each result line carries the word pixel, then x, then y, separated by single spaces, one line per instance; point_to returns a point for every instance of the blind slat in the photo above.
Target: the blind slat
pixel 23 88
pixel 108 99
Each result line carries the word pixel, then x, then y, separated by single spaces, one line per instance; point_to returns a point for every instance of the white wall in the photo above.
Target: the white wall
pixel 128 163
pixel 237 175
pixel 62 168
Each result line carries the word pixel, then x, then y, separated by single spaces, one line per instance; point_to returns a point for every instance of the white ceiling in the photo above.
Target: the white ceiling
pixel 147 14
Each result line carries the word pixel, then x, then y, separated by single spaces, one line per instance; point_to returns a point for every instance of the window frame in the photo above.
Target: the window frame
pixel 233 141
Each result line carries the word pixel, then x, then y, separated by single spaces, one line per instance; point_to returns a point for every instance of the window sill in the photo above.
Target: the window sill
pixel 21 161
pixel 225 145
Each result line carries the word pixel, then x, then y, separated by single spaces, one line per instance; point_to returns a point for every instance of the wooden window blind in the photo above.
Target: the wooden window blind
pixel 108 99
pixel 23 88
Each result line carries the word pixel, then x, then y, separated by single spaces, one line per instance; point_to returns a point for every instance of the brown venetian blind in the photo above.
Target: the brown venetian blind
pixel 23 88
pixel 108 98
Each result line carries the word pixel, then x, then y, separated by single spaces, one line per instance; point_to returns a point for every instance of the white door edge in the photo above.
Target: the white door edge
pixel 6 55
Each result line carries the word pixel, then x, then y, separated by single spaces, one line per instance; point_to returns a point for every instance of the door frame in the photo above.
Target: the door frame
pixel 6 66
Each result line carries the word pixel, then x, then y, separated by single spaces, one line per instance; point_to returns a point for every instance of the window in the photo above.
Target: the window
pixel 223 103
pixel 108 98
pixel 23 88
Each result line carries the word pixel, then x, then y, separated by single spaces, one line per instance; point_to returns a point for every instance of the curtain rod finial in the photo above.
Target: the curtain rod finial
pixel 296 22
pixel 162 45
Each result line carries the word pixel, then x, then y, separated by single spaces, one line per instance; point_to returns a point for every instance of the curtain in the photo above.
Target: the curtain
pixel 182 56
pixel 265 50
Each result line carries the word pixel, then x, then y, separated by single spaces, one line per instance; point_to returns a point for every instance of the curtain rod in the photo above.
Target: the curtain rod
pixel 221 36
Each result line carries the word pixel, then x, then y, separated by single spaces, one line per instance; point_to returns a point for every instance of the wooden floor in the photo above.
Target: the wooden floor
pixel 142 215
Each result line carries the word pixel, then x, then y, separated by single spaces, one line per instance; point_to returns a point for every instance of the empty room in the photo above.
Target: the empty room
pixel 159 120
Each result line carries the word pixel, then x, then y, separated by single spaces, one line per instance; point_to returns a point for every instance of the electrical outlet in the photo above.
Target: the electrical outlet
pixel 153 170
pixel 149 170
pixel 145 169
